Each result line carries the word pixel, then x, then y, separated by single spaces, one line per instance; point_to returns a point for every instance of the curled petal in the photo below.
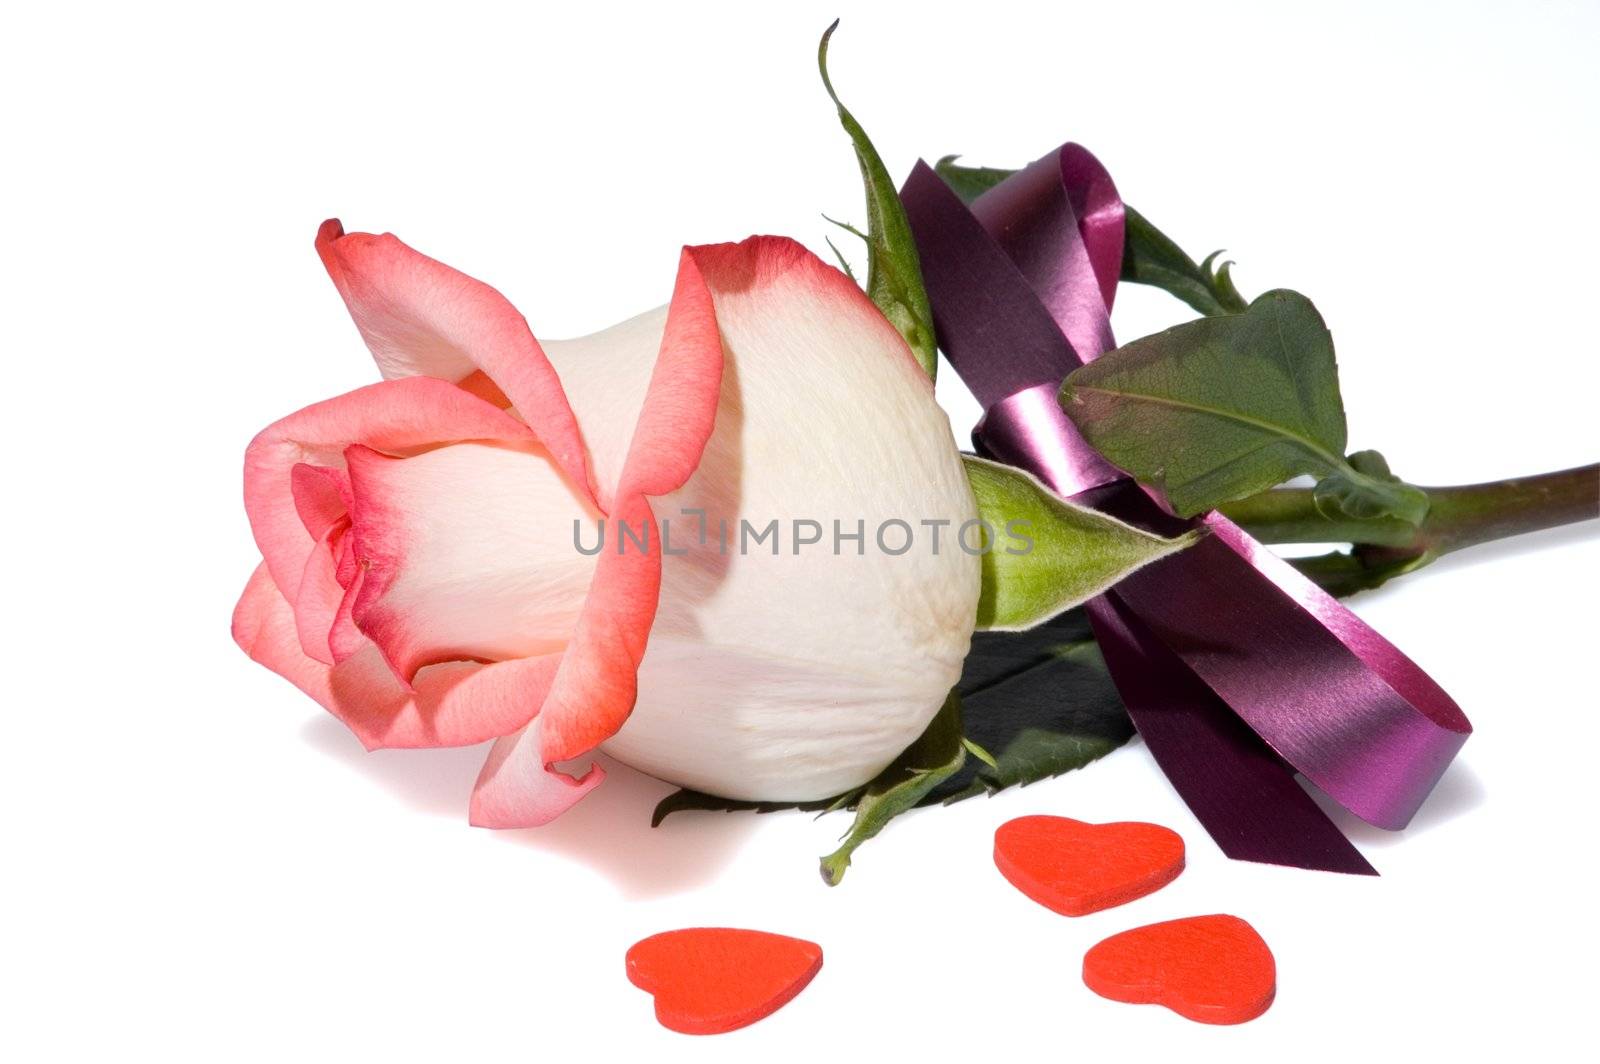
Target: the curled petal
pixel 516 789
pixel 321 496
pixel 422 318
pixel 596 686
pixel 320 594
pixel 345 640
pixel 397 417
pixel 453 704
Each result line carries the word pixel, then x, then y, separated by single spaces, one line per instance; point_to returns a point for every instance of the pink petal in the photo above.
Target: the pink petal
pixel 455 704
pixel 596 686
pixel 345 640
pixel 422 318
pixel 517 790
pixel 395 416
pixel 319 596
pixel 321 496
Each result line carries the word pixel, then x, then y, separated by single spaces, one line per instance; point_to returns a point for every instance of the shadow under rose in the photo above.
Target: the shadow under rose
pixel 609 830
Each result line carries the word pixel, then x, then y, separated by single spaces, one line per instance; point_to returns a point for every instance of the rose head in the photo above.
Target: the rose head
pixel 422 579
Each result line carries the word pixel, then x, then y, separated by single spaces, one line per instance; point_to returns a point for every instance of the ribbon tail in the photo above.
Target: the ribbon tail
pixel 1241 792
pixel 1329 695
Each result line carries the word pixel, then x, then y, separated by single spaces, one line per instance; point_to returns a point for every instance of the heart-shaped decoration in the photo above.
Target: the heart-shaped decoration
pixel 1077 868
pixel 707 980
pixel 1212 969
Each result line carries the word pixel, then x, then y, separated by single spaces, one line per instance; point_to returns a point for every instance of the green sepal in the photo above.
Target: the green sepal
pixel 1046 554
pixel 894 274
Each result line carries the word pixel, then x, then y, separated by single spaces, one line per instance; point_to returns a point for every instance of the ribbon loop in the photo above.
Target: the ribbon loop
pixel 1060 457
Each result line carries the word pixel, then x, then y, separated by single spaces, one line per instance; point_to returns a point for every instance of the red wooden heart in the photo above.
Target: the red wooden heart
pixel 1214 969
pixel 707 980
pixel 1077 868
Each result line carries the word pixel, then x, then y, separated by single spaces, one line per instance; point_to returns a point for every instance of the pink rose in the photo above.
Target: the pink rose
pixel 422 576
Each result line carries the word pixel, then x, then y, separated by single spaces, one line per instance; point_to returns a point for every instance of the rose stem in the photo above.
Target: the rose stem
pixel 1384 546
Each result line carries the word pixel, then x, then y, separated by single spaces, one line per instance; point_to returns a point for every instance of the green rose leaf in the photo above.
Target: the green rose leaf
pixel 1362 568
pixel 1041 702
pixel 1149 256
pixel 932 759
pixel 969 182
pixel 1049 554
pixel 686 801
pixel 1221 408
pixel 894 274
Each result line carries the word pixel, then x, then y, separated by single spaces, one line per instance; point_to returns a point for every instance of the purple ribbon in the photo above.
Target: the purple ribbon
pixel 1236 669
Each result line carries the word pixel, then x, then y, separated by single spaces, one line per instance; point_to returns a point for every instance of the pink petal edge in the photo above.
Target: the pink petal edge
pixel 516 789
pixel 421 317
pixel 456 704
pixel 597 684
pixel 394 416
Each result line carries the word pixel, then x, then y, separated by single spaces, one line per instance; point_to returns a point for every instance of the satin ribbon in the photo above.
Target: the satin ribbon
pixel 1236 669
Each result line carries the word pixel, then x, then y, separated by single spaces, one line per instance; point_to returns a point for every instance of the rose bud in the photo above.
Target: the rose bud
pixel 431 572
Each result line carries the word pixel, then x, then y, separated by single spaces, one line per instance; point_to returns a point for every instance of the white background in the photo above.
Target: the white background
pixel 201 865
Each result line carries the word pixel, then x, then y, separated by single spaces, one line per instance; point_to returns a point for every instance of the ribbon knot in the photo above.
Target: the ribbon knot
pixel 1236 669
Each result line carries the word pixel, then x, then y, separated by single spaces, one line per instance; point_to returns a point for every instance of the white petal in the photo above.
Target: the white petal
pixel 470 553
